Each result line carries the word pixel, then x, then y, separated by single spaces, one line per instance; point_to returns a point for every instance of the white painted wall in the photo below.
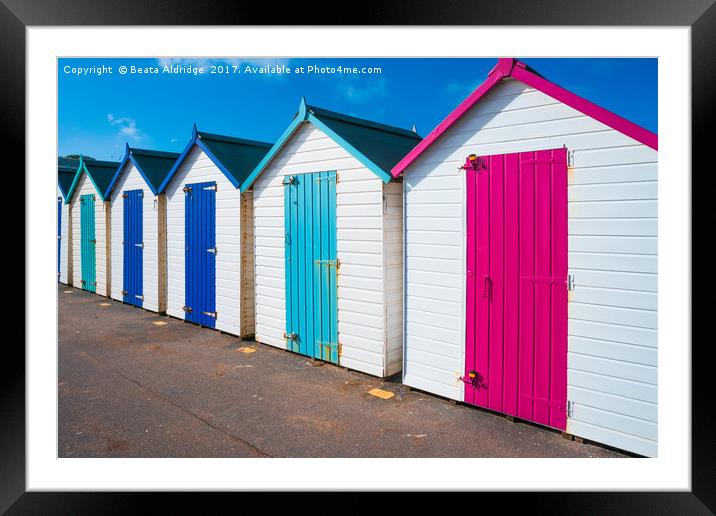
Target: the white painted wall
pixel 359 233
pixel 198 168
pixel 131 179
pixel 612 374
pixel 64 238
pixel 85 186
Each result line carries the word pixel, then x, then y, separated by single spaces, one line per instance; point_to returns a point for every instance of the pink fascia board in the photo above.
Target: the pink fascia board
pixel 509 67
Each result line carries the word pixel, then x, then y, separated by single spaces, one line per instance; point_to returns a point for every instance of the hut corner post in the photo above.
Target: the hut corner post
pixel 162 252
pixel 107 249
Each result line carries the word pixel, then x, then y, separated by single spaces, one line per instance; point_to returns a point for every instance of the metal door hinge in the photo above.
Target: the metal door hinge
pixel 140 244
pixel 570 158
pixel 340 349
pixel 330 263
pixel 125 196
pixel 93 241
pixel 213 315
pixel 187 308
pixel 290 336
pixel 139 297
pixel 570 408
pixel 186 189
pixel 570 282
pixel 289 180
pixel 211 250
pixel 212 187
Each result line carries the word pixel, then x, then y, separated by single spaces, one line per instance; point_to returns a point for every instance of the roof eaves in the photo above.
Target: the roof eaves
pixel 510 67
pixel 300 117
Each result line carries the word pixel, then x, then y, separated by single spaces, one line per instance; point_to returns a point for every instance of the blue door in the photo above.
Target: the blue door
pixel 59 233
pixel 200 253
pixel 311 265
pixel 133 290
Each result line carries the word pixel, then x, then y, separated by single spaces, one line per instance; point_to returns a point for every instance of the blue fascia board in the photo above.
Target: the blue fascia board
pixel 82 169
pixel 272 152
pixel 115 179
pixel 195 140
pixel 74 182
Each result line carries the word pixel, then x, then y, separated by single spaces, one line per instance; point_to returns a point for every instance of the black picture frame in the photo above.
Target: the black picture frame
pixel 17 15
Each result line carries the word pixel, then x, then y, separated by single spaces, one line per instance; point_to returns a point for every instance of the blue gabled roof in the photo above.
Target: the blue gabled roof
pixel 66 172
pixel 153 166
pixel 378 146
pixel 235 157
pixel 99 172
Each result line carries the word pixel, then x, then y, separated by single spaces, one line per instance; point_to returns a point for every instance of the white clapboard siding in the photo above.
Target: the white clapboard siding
pixel 131 179
pixel 369 278
pixel 64 238
pixel 612 228
pixel 197 167
pixel 84 187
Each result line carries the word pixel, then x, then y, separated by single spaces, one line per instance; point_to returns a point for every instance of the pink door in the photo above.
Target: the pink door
pixel 516 334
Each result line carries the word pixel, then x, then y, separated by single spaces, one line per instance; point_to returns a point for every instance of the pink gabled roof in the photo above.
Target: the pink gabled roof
pixel 510 67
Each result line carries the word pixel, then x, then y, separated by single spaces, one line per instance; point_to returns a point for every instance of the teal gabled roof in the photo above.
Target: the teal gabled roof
pixel 99 172
pixel 235 157
pixel 66 171
pixel 377 146
pixel 153 166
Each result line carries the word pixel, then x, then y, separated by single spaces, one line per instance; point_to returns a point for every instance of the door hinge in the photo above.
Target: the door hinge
pixel 289 180
pixel 186 189
pixel 340 349
pixel 570 408
pixel 570 158
pixel 124 292
pixel 125 196
pixel 331 263
pixel 213 315
pixel 140 244
pixel 212 187
pixel 211 250
pixel 139 297
pixel 570 282
pixel 93 241
pixel 546 279
pixel 186 308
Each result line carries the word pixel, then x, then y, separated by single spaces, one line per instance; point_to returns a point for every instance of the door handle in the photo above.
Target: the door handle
pixel 486 286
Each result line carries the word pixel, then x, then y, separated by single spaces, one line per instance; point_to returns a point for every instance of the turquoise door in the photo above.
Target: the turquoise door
pixel 59 233
pixel 88 243
pixel 311 265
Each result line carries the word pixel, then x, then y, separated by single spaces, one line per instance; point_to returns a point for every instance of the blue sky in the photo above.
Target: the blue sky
pixel 97 114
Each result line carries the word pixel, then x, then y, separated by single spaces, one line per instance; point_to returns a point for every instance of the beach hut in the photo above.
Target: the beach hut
pixel 531 260
pixel 328 233
pixel 66 171
pixel 209 233
pixel 89 267
pixel 138 228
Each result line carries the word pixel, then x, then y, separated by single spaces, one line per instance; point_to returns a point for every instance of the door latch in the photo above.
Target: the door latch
pixel 290 336
pixel 186 189
pixel 289 180
pixel 474 378
pixel 124 292
pixel 187 308
pixel 487 286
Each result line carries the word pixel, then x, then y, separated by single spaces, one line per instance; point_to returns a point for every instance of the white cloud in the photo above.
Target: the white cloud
pixel 366 94
pixel 127 126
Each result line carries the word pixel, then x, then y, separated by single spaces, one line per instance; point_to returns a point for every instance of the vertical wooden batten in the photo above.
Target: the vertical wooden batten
pixel 162 251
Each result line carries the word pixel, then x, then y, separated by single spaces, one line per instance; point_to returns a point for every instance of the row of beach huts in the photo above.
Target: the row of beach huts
pixel 507 260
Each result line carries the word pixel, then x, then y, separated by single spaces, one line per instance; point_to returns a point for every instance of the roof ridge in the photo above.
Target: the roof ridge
pixel 361 121
pixel 232 139
pixel 162 154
